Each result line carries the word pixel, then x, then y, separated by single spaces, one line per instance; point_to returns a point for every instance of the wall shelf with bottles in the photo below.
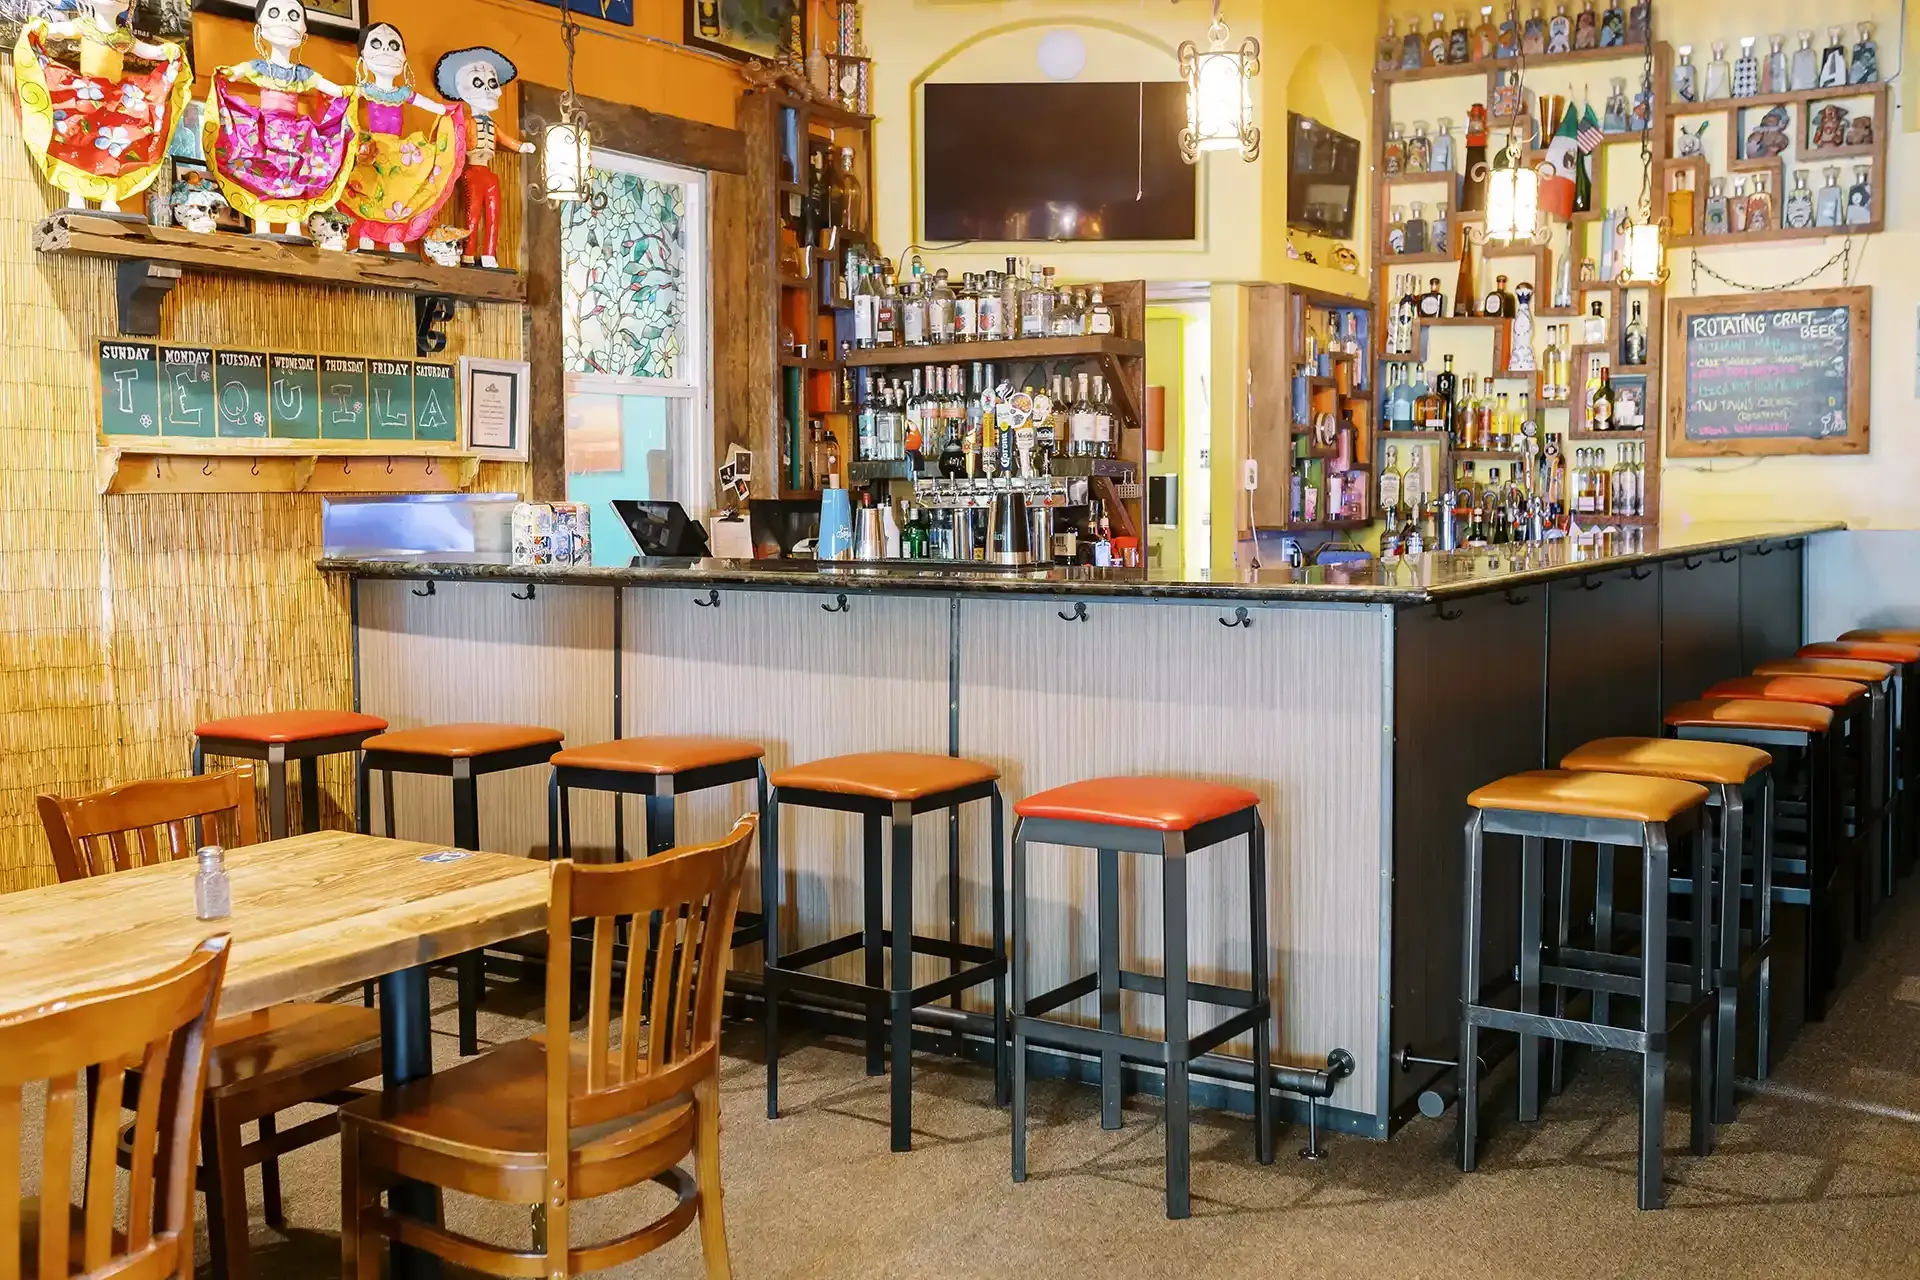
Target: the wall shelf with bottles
pixel 1488 68
pixel 1312 423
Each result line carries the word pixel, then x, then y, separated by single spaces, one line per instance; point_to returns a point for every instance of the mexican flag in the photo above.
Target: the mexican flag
pixel 1563 153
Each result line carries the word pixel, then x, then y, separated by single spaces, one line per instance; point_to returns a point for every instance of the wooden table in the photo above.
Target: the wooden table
pixel 310 914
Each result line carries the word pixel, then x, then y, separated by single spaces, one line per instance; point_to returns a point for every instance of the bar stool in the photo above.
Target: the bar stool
pixel 277 737
pixel 1806 880
pixel 1727 771
pixel 661 769
pixel 462 752
pixel 890 787
pixel 1644 813
pixel 1905 659
pixel 1171 819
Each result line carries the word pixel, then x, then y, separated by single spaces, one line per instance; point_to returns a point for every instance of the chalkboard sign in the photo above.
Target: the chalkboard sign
pixel 1769 373
pixel 240 389
pixel 129 389
pixel 390 398
pixel 186 382
pixel 294 407
pixel 343 392
pixel 434 396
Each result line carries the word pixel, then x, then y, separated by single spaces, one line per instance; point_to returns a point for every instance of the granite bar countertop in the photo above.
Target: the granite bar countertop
pixel 1413 580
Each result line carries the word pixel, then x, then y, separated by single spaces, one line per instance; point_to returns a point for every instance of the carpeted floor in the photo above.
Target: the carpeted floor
pixel 1802 1185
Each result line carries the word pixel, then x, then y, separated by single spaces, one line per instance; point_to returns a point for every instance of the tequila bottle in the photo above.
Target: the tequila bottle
pixel 1860 196
pixel 1533 36
pixel 1586 27
pixel 1775 77
pixel 1806 65
pixel 1686 78
pixel 1833 63
pixel 1760 213
pixel 1560 31
pixel 1746 71
pixel 1486 39
pixel 1459 40
pixel 1419 158
pixel 1615 118
pixel 1099 314
pixel 1397 231
pixel 1798 210
pixel 1716 214
pixel 1432 304
pixel 1633 344
pixel 1507 44
pixel 1441 158
pixel 1737 207
pixel 1865 68
pixel 1393 153
pixel 1437 42
pixel 1440 232
pixel 1719 74
pixel 1416 229
pixel 1640 22
pixel 1520 357
pixel 1830 205
pixel 1413 49
pixel 1388 55
pixel 1595 333
pixel 940 317
pixel 1613 26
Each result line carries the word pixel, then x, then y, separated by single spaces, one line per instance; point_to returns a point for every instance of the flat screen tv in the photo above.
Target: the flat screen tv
pixel 1323 177
pixel 1080 161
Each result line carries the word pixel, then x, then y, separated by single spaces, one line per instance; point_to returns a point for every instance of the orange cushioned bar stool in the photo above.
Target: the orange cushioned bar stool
pixel 1849 775
pixel 1905 660
pixel 1170 819
pixel 1805 869
pixel 1644 813
pixel 276 738
pixel 1728 771
pixel 889 788
pixel 660 769
pixel 462 752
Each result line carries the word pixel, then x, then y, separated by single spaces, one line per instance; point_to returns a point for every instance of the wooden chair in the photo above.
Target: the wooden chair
pixel 263 1062
pixel 161 1025
pixel 622 1111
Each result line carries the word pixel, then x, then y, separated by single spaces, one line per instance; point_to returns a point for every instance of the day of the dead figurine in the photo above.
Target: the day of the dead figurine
pixel 400 181
pixel 475 77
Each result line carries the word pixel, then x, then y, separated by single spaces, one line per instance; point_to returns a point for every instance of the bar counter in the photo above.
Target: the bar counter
pixel 1362 703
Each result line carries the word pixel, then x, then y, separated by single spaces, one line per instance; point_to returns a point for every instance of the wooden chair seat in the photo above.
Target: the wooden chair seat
pixel 464 741
pixel 886 775
pixel 492 1111
pixel 1861 669
pixel 1723 763
pixel 290 726
pixel 1612 796
pixel 1869 650
pixel 659 755
pixel 1148 804
pixel 1751 713
pixel 1817 691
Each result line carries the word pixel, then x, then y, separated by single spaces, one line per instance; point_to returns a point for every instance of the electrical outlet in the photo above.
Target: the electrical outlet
pixel 1252 479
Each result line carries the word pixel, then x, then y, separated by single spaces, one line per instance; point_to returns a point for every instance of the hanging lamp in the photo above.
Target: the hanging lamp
pixel 566 158
pixel 1220 94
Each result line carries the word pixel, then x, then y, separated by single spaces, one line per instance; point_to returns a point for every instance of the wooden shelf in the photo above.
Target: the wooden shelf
pixel 1429 179
pixel 808 362
pixel 1538 62
pixel 1744 238
pixel 1019 349
pixel 73 232
pixel 1797 97
pixel 1638 436
pixel 127 465
pixel 1414 259
pixel 1859 151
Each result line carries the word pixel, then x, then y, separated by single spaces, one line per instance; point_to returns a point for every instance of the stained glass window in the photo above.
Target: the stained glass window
pixel 625 267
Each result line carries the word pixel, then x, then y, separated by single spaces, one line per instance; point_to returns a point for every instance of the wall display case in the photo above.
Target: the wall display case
pixel 1311 436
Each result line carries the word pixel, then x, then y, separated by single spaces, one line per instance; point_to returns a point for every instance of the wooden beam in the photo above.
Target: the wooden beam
pixel 635 131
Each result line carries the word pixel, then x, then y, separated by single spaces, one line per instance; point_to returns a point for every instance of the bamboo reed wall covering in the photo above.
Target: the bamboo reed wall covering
pixel 126 621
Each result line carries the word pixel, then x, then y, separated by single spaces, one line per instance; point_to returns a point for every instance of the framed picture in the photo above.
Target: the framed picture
pixel 1630 402
pixel 494 397
pixel 742 28
pixel 337 19
pixel 615 11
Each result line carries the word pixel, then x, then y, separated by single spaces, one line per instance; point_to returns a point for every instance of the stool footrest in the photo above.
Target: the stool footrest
pixel 1203 992
pixel 879 999
pixel 954 983
pixel 1618 984
pixel 1238 1025
pixel 1065 994
pixel 1090 1040
pixel 821 952
pixel 1568 1030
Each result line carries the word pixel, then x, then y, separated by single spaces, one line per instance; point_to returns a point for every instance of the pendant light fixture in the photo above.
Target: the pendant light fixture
pixel 1513 200
pixel 1220 94
pixel 1645 236
pixel 566 159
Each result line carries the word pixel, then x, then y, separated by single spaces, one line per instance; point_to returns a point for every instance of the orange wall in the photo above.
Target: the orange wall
pixel 612 65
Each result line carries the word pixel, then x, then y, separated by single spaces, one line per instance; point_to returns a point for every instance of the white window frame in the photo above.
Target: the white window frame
pixel 690 397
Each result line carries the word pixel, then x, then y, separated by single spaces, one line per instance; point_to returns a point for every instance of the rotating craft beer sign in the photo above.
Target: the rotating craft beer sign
pixel 1769 373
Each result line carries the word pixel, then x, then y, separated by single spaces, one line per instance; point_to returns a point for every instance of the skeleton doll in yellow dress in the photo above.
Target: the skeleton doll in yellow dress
pixel 99 105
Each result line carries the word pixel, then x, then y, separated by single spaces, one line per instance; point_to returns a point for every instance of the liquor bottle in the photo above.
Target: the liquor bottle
pixel 814 204
pixel 1633 346
pixel 1390 483
pixel 1484 413
pixel 1560 31
pixel 1500 301
pixel 940 317
pixel 1797 208
pixel 1388 55
pixel 1419 158
pixel 913 315
pixel 1080 427
pixel 1737 207
pixel 1466 281
pixel 1760 211
pixel 886 325
pixel 966 309
pixel 1686 78
pixel 1533 36
pixel 1440 231
pixel 1613 26
pixel 1716 215
pixel 1433 303
pixel 1719 83
pixel 1520 335
pixel 1393 152
pixel 1594 333
pixel 1406 309
pixel 1640 22
pixel 1865 66
pixel 1066 311
pixel 1486 39
pixel 1430 410
pixel 1459 40
pixel 852 194
pixel 1413 50
pixel 1524 426
pixel 1601 410
pixel 1437 41
pixel 1508 43
pixel 1746 70
pixel 1860 196
pixel 1397 231
pixel 1099 314
pixel 1447 388
pixel 1775 75
pixel 1013 295
pixel 1414 235
pixel 1833 63
pixel 1586 27
pixel 1806 64
pixel 1829 207
pixel 1680 200
pixel 1036 306
pixel 1614 118
pixel 1500 439
pixel 866 309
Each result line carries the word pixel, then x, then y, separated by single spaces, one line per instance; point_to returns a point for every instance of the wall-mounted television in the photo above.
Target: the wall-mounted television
pixel 1323 178
pixel 1083 161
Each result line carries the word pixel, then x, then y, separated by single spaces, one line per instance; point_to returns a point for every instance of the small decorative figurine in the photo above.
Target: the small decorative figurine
pixel 1833 63
pixel 1769 138
pixel 400 182
pixel 1860 131
pixel 283 156
pixel 1693 142
pixel 1866 58
pixel 1829 127
pixel 197 202
pixel 99 133
pixel 443 245
pixel 328 230
pixel 475 77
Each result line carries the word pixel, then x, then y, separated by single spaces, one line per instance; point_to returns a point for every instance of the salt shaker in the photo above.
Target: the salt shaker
pixel 212 891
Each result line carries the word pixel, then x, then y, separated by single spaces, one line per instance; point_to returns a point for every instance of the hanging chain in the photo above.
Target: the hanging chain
pixel 1844 257
pixel 1646 136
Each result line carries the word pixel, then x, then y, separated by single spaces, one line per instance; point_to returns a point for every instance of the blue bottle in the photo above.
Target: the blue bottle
pixel 836 526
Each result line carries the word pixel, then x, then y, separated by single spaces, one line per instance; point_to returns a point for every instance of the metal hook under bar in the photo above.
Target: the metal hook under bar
pixel 1690 564
pixel 839 605
pixel 1641 573
pixel 1590 583
pixel 1079 613
pixel 424 594
pixel 1241 618
pixel 1728 557
pixel 531 588
pixel 1515 598
pixel 711 602
pixel 1441 611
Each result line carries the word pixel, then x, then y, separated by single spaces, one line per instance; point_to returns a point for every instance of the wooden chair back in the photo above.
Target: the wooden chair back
pixel 142 823
pixel 696 893
pixel 158 1027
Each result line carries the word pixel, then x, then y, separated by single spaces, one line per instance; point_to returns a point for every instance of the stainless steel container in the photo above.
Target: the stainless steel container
pixel 1040 533
pixel 869 534
pixel 1009 537
pixel 960 534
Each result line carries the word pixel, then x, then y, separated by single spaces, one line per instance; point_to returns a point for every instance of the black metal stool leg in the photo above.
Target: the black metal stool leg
pixel 1701 943
pixel 1763 930
pixel 470 967
pixel 1727 883
pixel 997 856
pixel 1019 963
pixel 1110 1065
pixel 902 1002
pixel 956 1001
pixel 876 963
pixel 1653 1016
pixel 1466 1127
pixel 1261 970
pixel 1179 1158
pixel 770 911
pixel 1562 937
pixel 1603 925
pixel 1532 893
pixel 310 794
pixel 363 823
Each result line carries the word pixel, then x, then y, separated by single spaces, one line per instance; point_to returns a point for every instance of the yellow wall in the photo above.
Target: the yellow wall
pixel 1166 367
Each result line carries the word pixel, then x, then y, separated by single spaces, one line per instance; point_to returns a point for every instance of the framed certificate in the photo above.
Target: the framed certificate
pixel 494 398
